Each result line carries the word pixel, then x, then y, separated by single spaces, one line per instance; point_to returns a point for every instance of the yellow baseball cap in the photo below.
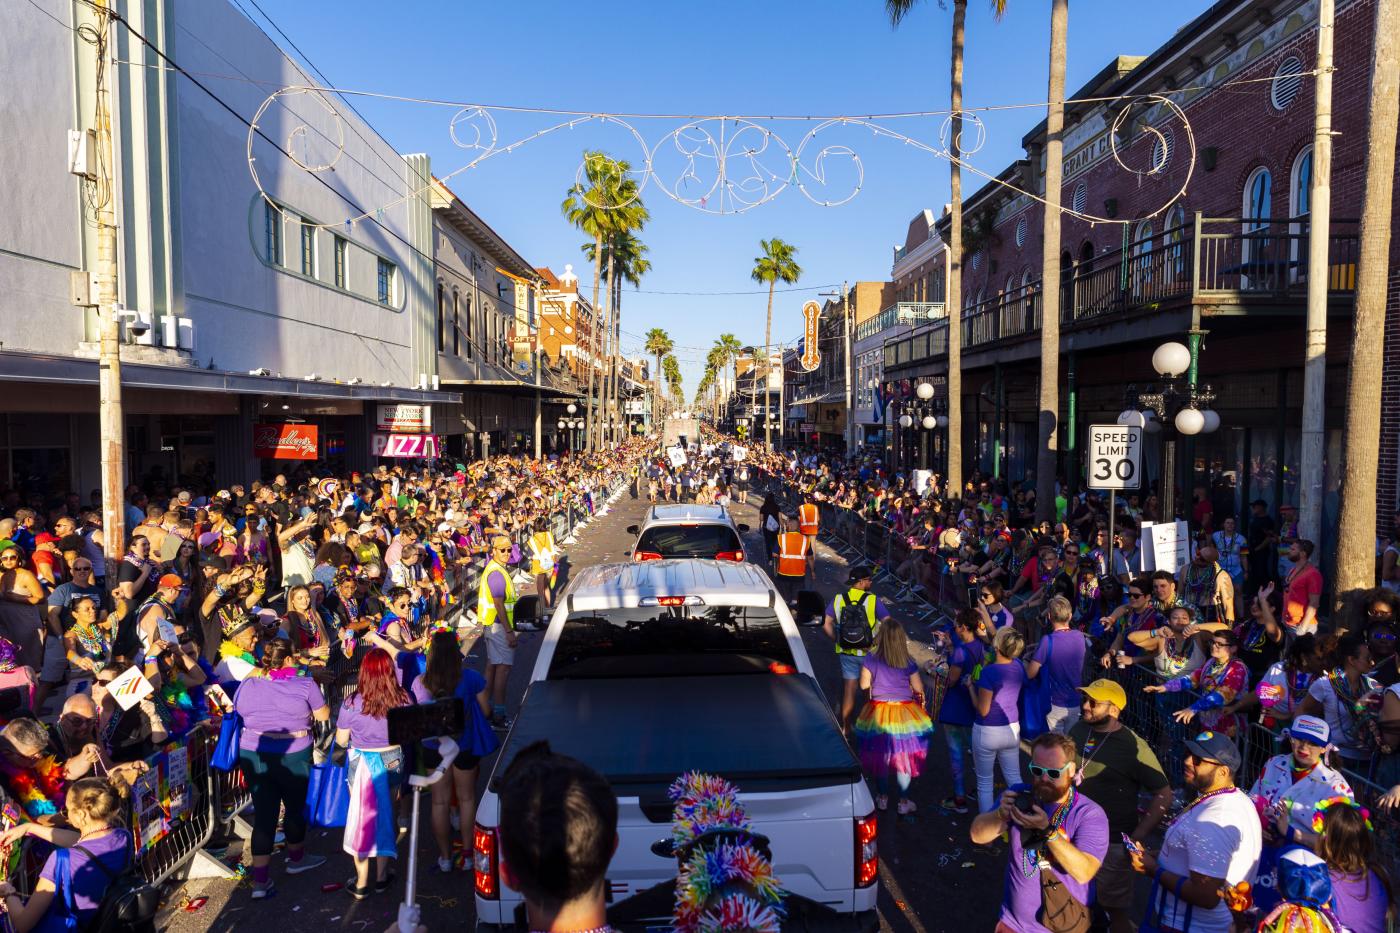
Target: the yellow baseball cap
pixel 1106 691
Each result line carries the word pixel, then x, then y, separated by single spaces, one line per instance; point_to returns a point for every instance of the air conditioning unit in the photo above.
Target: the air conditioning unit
pixel 177 333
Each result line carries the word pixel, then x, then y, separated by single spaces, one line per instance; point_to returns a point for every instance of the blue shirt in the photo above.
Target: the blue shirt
pixel 957 702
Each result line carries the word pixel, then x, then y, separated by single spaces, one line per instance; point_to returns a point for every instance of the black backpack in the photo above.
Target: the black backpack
pixel 130 903
pixel 853 630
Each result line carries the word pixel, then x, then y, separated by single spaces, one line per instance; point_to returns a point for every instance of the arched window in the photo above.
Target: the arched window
pixel 441 336
pixel 456 323
pixel 467 317
pixel 1142 253
pixel 1300 191
pixel 1174 235
pixel 1258 205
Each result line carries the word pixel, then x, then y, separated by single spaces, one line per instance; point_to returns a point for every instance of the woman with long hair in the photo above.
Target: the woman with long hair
pixel 304 626
pixel 375 769
pixel 893 728
pixel 446 677
pixel 275 753
pixel 996 723
pixel 1362 896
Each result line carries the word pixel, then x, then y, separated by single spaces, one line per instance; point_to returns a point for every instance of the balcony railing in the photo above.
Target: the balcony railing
pixel 1209 260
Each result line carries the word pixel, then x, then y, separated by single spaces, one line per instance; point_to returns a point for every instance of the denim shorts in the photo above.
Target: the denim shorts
pixel 851 665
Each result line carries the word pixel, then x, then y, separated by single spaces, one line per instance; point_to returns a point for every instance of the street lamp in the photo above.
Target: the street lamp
pixel 1175 407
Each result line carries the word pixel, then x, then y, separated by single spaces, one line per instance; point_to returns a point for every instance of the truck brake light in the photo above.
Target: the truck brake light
pixel 643 556
pixel 867 856
pixel 484 863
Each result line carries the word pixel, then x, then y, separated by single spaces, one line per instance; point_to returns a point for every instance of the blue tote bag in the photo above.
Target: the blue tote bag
pixel 1035 698
pixel 225 757
pixel 328 794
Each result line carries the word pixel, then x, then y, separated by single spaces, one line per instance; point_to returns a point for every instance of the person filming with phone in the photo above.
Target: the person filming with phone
pixel 1058 841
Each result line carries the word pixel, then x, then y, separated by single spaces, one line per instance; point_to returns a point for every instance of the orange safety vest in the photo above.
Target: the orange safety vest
pixel 807 518
pixel 792 554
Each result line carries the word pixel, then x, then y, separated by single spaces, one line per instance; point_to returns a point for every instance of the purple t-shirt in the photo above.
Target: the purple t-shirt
pixel 889 684
pixel 1359 903
pixel 276 705
pixel 89 881
pixel 1065 667
pixel 366 731
pixel 957 702
pixel 1004 680
pixel 496 584
pixel 1087 828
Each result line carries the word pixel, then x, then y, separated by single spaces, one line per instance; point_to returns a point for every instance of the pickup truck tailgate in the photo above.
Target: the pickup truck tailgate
pixel 772 735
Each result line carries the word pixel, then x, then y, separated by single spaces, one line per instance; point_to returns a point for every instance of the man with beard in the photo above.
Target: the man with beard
pixel 1213 844
pixel 1118 768
pixel 1302 593
pixel 1053 828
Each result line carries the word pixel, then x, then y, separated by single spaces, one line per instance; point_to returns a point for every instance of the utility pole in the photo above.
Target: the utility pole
pixel 105 278
pixel 1319 218
pixel 850 369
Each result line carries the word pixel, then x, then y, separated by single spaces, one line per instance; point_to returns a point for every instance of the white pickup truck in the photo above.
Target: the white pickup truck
pixel 648 670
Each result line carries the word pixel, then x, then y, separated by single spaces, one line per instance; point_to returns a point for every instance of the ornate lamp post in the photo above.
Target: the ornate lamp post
pixel 1174 406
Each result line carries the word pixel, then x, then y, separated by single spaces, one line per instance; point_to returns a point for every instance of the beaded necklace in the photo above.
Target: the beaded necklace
pixel 1197 802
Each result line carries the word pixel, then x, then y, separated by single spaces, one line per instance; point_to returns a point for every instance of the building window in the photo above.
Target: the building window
pixel 1288 82
pixel 1022 228
pixel 1080 198
pixel 341 249
pixel 272 227
pixel 468 319
pixel 456 325
pixel 1301 202
pixel 441 322
pixel 387 275
pixel 1142 249
pixel 1162 151
pixel 1174 234
pixel 976 260
pixel 308 248
pixel 1258 199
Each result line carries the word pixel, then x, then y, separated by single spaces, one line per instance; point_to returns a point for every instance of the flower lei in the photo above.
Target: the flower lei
pixel 1320 813
pixel 37 788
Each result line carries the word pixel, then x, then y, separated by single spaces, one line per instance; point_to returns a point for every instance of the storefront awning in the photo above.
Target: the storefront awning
pixel 19 366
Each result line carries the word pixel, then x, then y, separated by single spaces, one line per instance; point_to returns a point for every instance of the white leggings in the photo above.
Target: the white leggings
pixel 992 745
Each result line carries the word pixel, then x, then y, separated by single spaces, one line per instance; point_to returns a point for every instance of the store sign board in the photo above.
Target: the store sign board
pixel 285 441
pixel 405 419
pixel 811 344
pixel 410 446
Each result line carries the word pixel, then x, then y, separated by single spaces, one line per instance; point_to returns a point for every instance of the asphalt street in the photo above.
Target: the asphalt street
pixel 931 879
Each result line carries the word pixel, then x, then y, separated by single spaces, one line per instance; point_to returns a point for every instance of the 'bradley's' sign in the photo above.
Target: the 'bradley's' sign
pixel 811 349
pixel 285 441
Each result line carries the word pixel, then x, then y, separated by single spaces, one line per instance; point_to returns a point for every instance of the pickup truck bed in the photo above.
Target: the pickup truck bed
pixel 763 732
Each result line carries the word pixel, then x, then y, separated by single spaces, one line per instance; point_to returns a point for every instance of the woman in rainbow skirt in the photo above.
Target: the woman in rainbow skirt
pixel 893 730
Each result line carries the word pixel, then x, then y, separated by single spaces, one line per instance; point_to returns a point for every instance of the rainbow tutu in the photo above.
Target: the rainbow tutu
pixel 893 738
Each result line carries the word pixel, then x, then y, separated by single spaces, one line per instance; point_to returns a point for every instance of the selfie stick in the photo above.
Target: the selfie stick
pixel 408 910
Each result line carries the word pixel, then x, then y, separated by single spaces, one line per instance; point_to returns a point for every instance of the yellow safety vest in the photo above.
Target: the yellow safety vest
pixel 850 598
pixel 486 603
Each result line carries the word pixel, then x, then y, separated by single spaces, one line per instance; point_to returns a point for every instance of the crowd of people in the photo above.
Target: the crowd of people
pixel 1231 795
pixel 308 604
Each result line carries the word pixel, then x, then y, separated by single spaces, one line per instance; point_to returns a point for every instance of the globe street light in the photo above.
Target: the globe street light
pixel 1175 407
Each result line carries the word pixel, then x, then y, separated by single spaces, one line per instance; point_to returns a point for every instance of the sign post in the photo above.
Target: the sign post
pixel 1115 462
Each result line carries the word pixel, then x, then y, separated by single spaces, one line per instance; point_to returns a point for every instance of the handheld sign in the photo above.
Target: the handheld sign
pixel 130 688
pixel 1115 456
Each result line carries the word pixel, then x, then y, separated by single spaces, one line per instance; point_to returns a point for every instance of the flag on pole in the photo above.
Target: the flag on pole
pixel 881 400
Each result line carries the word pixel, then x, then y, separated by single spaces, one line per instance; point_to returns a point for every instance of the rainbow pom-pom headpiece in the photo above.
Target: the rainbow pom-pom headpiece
pixel 1320 813
pixel 725 882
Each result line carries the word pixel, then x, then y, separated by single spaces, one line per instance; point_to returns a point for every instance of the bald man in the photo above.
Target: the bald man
pixel 75 737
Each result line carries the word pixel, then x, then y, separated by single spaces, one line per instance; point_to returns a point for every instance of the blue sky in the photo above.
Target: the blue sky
pixel 821 57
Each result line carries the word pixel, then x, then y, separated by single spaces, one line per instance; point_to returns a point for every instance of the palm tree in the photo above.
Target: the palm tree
pixel 1047 459
pixel 897 10
pixel 1357 533
pixel 632 264
pixel 603 204
pixel 727 349
pixel 659 345
pixel 672 370
pixel 623 255
pixel 777 264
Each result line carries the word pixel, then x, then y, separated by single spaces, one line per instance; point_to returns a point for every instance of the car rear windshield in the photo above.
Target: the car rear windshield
pixel 689 540
pixel 670 642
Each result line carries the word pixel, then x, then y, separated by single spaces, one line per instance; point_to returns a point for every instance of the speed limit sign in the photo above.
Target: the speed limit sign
pixel 1115 456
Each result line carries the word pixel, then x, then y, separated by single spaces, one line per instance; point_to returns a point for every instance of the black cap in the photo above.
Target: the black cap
pixel 216 561
pixel 860 572
pixel 1213 746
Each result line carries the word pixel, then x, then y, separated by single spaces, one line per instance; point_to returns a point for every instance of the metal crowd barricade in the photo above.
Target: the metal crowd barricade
pixel 1385 821
pixel 183 836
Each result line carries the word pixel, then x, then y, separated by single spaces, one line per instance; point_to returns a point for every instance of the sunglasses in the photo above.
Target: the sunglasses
pixel 1051 773
pixel 1220 644
pixel 1132 595
pixel 1380 613
pixel 80 568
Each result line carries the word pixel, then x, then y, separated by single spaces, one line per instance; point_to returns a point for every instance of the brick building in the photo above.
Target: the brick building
pixel 1227 258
